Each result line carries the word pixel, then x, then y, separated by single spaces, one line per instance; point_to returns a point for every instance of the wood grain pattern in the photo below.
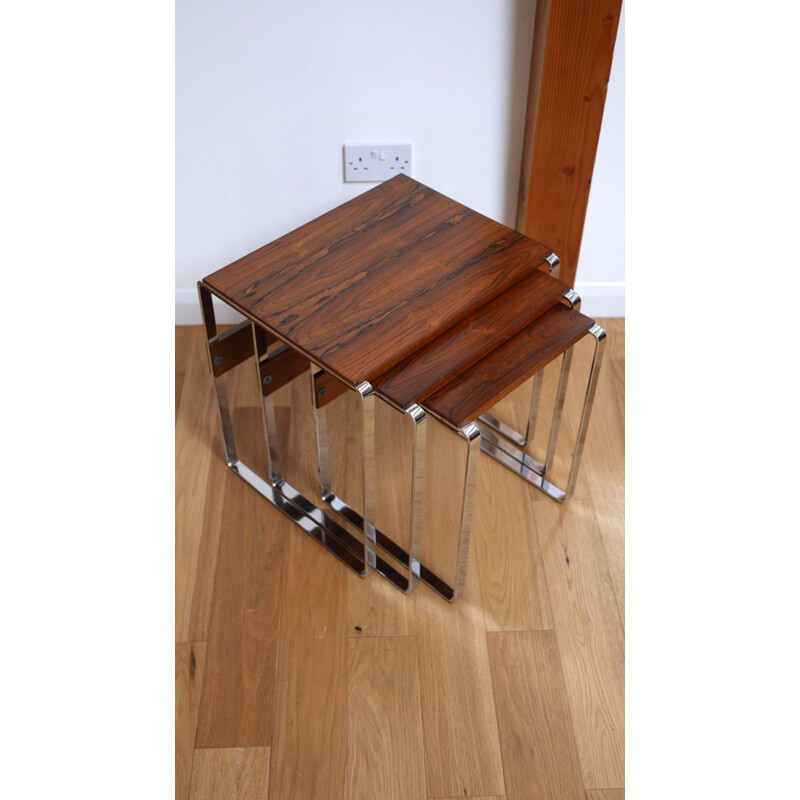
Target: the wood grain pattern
pixel 280 369
pixel 239 381
pixel 189 661
pixel 570 68
pixel 540 758
pixel 604 474
pixel 385 754
pixel 364 285
pixel 239 686
pixel 462 748
pixel 479 388
pixel 506 554
pixel 327 388
pixel 466 342
pixel 232 347
pixel 610 517
pixel 205 567
pixel 237 773
pixel 374 607
pixel 310 746
pixel 197 451
pixel 179 378
pixel 589 634
pixel 308 755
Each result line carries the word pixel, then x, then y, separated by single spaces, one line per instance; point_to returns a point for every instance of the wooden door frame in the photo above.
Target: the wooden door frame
pixel 573 46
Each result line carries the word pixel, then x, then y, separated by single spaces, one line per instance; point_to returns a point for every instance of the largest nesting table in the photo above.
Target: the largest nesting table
pixel 354 294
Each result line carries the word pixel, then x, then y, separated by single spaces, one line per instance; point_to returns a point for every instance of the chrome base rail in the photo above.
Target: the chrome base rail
pixel 366 555
pixel 311 519
pixel 519 462
pixel 408 559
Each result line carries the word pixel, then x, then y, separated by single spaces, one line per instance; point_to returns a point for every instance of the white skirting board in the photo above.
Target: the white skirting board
pixel 598 300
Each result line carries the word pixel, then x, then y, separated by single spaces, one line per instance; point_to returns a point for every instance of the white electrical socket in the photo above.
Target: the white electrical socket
pixel 375 162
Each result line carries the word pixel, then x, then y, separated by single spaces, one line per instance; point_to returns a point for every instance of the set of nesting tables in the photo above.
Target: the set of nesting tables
pixel 407 298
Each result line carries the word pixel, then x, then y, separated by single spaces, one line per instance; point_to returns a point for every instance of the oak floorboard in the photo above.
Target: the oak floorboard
pixel 589 633
pixel 377 608
pixel 189 661
pixel 611 522
pixel 606 486
pixel 205 567
pixel 309 748
pixel 457 687
pixel 385 754
pixel 462 748
pixel 238 692
pixel 540 758
pixel 506 548
pixel 197 448
pixel 602 471
pixel 180 377
pixel 235 773
pixel 188 339
pixel 185 340
pixel 246 415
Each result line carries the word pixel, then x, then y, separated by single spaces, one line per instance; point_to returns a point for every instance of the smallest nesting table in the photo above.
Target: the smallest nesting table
pixel 405 296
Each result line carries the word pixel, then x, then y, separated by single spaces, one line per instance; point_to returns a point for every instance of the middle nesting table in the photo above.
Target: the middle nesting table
pixel 357 291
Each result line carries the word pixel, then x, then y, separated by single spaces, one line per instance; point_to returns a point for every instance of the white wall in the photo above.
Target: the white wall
pixel 600 279
pixel 268 92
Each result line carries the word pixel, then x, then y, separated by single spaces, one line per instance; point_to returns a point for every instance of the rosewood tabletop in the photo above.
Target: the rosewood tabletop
pixel 362 287
pixel 441 361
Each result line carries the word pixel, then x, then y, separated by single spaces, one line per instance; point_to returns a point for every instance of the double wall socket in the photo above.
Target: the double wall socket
pixel 375 162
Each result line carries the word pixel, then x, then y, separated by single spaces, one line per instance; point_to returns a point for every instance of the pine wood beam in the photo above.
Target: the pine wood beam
pixel 570 66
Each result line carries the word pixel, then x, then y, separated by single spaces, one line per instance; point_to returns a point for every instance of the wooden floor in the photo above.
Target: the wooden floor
pixel 295 678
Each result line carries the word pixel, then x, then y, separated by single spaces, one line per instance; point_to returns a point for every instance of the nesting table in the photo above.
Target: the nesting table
pixel 405 297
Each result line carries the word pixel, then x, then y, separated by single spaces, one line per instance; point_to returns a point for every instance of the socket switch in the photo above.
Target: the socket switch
pixel 375 162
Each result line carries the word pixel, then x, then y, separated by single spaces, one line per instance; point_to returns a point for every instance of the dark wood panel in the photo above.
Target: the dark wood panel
pixel 570 68
pixel 364 285
pixel 232 347
pixel 471 339
pixel 510 365
pixel 327 388
pixel 280 369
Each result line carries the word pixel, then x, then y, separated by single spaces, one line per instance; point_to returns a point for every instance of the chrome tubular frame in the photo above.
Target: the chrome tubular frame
pixel 375 537
pixel 472 434
pixel 495 424
pixel 355 553
pixel 573 299
pixel 528 468
pixel 558 408
pixel 268 409
pixel 409 559
pixel 555 264
pixel 599 347
pixel 362 555
pixel 367 395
